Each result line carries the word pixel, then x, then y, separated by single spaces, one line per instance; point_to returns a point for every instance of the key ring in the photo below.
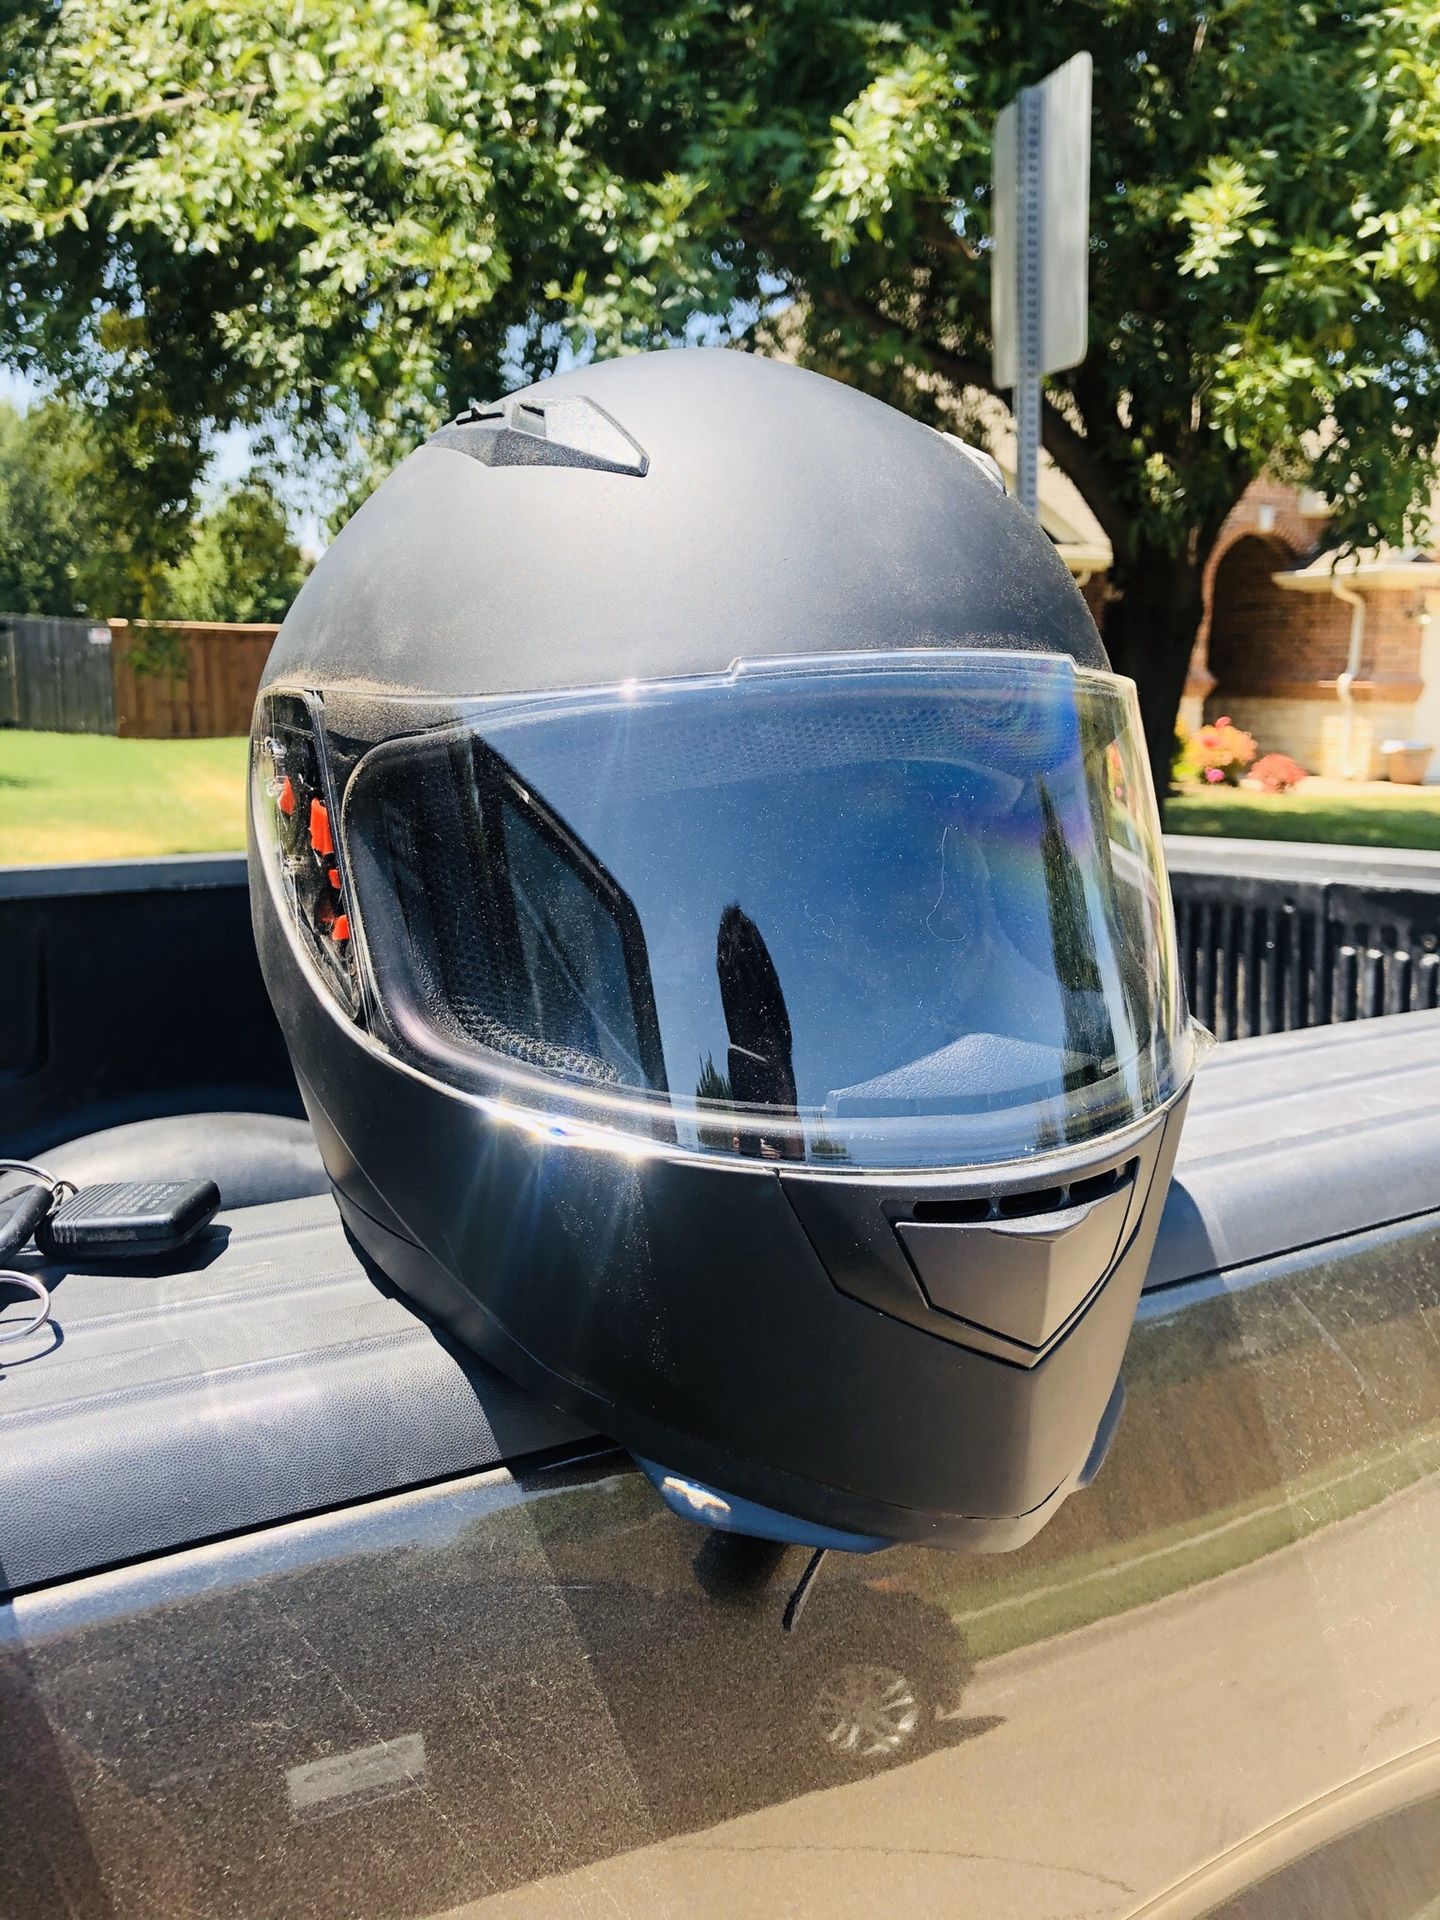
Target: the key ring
pixel 42 1294
pixel 59 1189
pixel 27 1282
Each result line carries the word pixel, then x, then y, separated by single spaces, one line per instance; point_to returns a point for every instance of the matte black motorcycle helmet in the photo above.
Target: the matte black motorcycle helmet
pixel 710 883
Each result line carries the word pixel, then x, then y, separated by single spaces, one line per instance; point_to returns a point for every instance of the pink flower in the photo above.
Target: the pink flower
pixel 1223 721
pixel 1212 774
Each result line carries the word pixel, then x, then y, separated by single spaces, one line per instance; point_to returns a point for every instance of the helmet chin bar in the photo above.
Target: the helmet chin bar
pixel 767 1342
pixel 727 1513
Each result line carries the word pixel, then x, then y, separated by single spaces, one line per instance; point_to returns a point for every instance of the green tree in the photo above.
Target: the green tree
pixel 352 215
pixel 69 543
pixel 242 563
pixel 44 462
pixel 65 545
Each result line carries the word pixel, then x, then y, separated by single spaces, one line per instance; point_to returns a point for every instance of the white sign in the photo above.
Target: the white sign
pixel 1054 165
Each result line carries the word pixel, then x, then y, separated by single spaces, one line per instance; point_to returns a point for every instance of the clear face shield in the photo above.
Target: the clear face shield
pixel 852 910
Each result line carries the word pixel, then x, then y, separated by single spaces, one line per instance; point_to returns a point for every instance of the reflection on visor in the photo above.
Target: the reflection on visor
pixel 904 910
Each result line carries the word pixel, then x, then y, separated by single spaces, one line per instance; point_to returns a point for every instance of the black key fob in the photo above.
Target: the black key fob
pixel 128 1220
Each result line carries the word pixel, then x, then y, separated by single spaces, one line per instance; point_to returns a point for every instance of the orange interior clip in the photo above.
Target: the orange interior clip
pixel 320 836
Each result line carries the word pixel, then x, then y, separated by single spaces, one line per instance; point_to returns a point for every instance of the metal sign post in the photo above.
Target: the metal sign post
pixel 1040 280
pixel 1029 295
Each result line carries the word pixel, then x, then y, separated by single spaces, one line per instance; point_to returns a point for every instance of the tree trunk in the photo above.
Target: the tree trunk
pixel 1149 633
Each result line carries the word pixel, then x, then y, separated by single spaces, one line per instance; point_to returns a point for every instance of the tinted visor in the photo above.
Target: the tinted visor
pixel 876 909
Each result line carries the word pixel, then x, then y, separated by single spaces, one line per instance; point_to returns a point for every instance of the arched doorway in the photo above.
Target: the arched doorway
pixel 1253 639
pixel 1275 653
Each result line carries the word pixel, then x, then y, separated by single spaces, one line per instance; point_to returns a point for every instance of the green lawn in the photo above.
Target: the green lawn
pixel 76 796
pixel 1369 814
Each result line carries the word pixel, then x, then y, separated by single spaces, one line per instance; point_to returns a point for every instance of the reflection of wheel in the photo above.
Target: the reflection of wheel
pixel 867 1713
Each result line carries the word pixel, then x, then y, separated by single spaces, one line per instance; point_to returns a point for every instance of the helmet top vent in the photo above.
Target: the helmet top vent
pixel 568 431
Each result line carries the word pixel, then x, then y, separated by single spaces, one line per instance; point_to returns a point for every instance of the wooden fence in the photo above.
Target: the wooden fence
pixel 56 675
pixel 215 693
pixel 79 676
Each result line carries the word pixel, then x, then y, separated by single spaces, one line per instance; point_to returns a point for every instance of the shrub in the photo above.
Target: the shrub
pixel 1221 752
pixel 1182 767
pixel 1276 773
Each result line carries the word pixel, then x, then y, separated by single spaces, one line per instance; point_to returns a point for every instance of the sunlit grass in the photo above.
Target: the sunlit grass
pixel 73 796
pixel 1365 815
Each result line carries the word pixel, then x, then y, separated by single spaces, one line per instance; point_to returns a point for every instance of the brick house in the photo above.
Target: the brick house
pixel 1282 616
pixel 1321 657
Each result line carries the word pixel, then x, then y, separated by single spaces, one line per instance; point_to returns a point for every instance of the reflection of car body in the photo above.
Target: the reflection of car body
pixel 236 1736
pixel 387 1639
pixel 873 1677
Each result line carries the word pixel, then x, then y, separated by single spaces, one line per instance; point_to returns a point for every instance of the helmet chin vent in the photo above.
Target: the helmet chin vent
pixel 1031 1263
pixel 1027 1205
pixel 956 1213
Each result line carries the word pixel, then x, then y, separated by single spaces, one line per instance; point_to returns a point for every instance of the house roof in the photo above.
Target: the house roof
pixel 1364 567
pixel 1380 566
pixel 1063 512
